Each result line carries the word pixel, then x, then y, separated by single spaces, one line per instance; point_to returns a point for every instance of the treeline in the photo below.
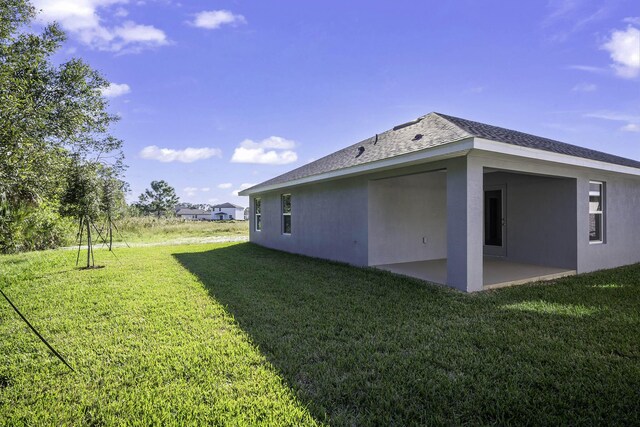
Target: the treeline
pixel 58 161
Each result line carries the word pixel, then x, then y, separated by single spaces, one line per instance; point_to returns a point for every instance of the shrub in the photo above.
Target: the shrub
pixel 35 227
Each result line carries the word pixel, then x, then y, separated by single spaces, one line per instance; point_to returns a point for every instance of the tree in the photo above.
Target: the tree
pixel 93 196
pixel 82 201
pixel 48 114
pixel 112 201
pixel 186 205
pixel 158 200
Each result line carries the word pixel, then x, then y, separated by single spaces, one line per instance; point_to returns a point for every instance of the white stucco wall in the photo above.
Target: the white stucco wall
pixel 622 223
pixel 328 220
pixel 236 213
pixel 540 218
pixel 408 218
pixel 464 224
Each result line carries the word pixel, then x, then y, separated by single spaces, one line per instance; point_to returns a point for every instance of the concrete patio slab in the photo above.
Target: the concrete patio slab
pixel 497 272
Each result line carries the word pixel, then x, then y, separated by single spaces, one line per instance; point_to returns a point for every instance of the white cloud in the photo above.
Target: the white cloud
pixel 225 185
pixel 274 150
pixel 212 200
pixel 632 20
pixel 613 115
pixel 82 19
pixel 558 9
pixel 213 19
pixel 130 32
pixel 584 87
pixel 261 156
pixel 624 49
pixel 121 12
pixel 271 142
pixel 630 127
pixel 588 68
pixel 632 121
pixel 73 15
pixel 190 191
pixel 187 155
pixel 116 89
pixel 242 187
pixel 568 17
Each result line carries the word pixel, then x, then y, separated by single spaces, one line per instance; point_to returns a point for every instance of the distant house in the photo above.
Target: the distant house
pixel 227 211
pixel 457 202
pixel 193 214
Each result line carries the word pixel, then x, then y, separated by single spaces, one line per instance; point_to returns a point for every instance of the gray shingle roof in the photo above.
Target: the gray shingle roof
pixel 433 130
pixel 522 139
pixel 227 205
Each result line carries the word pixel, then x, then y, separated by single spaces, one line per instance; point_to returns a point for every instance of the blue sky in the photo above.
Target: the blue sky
pixel 218 95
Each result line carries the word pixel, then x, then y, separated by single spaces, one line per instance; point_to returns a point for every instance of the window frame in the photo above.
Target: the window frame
pixel 285 214
pixel 599 214
pixel 257 213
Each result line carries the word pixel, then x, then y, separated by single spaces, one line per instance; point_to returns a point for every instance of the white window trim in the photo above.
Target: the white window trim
pixel 285 214
pixel 600 212
pixel 257 214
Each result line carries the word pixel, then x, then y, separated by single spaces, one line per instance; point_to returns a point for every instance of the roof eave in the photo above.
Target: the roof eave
pixel 440 152
pixel 550 156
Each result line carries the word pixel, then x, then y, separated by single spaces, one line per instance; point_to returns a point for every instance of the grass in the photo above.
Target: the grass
pixel 242 335
pixel 151 229
pixel 149 344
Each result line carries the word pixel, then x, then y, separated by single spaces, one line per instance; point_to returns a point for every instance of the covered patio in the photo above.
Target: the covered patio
pixel 523 229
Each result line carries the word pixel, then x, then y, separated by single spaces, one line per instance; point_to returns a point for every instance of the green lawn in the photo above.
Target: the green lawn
pixel 151 229
pixel 241 335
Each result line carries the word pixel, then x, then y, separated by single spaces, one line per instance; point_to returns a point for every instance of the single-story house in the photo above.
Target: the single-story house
pixel 227 211
pixel 457 202
pixel 193 214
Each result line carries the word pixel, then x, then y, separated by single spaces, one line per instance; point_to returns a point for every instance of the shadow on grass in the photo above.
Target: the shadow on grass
pixel 365 347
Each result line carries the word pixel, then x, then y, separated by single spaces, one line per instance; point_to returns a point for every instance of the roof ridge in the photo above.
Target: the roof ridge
pixel 446 117
pixel 476 134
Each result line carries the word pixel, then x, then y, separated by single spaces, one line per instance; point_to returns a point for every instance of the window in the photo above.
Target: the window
pixel 286 213
pixel 596 212
pixel 257 207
